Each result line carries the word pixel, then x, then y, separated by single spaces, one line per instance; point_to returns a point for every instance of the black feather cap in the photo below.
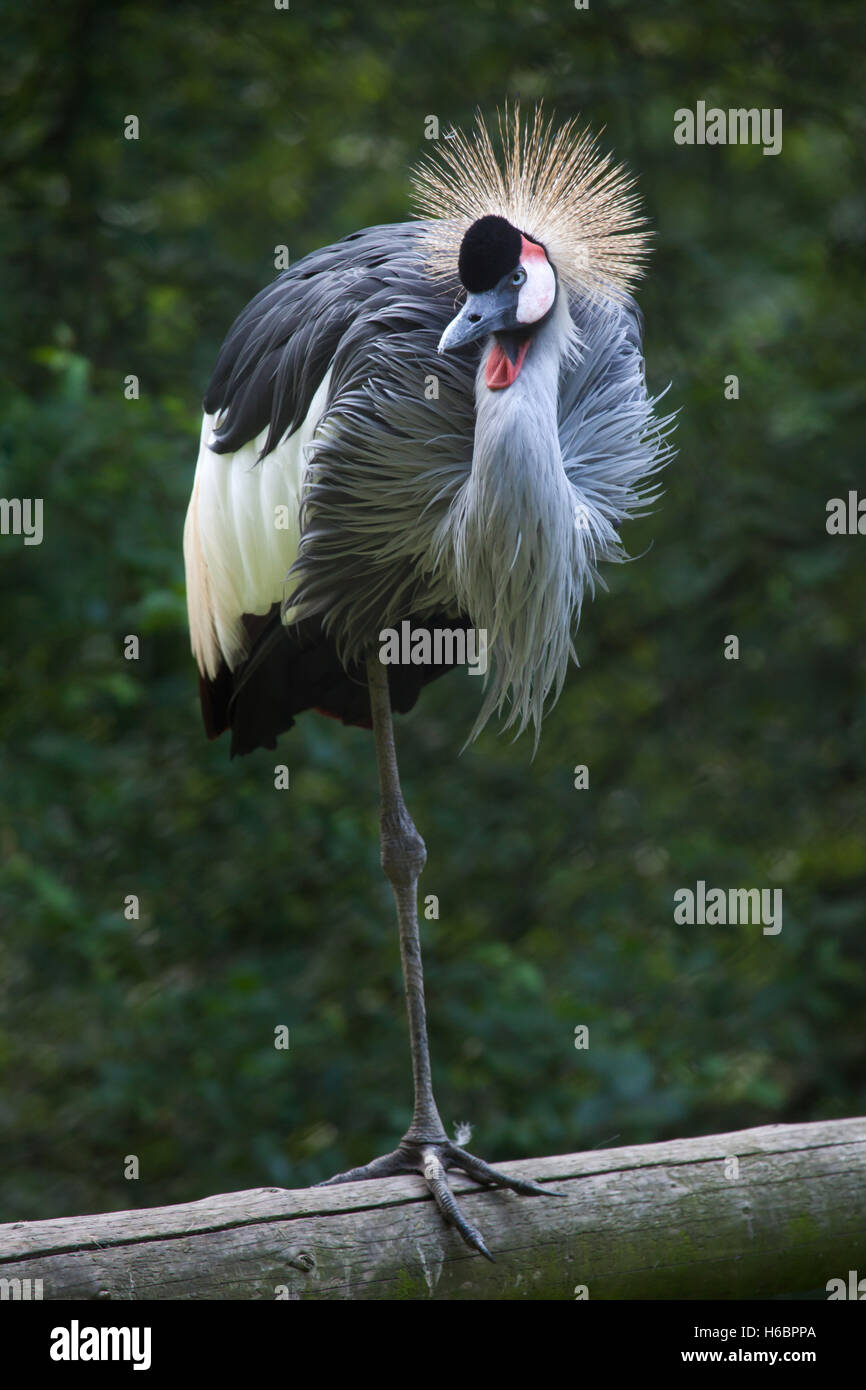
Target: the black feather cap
pixel 489 249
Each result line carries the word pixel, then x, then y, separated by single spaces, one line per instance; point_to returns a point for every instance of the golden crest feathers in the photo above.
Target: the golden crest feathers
pixel 550 182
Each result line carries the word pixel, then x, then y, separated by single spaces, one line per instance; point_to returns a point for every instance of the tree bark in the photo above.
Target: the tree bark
pixel 753 1214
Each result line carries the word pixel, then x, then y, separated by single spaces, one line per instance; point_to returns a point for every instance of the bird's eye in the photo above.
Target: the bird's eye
pixel 519 276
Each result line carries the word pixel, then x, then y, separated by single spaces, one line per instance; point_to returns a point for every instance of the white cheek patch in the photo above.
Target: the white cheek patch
pixel 539 291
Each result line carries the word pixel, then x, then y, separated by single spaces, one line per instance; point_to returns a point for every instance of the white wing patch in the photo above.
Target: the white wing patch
pixel 241 535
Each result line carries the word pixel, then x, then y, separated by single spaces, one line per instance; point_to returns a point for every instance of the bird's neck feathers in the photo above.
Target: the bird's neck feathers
pixel 516 558
pixel 535 390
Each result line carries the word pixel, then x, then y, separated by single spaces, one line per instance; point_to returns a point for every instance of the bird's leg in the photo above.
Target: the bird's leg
pixel 403 857
pixel 425 1147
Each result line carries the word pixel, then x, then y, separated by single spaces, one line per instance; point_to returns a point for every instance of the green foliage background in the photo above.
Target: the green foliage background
pixel 155 1038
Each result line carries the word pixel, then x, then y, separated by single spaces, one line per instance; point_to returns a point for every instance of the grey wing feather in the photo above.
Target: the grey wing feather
pixel 395 449
pixel 613 443
pixel 281 345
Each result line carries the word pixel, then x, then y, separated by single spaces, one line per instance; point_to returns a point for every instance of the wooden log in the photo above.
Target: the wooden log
pixel 753 1214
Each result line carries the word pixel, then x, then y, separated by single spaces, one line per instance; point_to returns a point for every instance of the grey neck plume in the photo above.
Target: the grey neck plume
pixel 517 560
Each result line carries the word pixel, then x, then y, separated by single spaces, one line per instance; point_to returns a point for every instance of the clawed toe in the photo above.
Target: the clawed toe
pixel 432 1162
pixel 437 1181
pixel 390 1165
pixel 481 1172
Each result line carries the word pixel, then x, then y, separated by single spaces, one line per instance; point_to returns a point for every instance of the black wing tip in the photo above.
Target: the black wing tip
pixel 291 670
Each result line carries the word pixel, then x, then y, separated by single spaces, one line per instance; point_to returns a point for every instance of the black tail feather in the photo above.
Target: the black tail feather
pixel 292 669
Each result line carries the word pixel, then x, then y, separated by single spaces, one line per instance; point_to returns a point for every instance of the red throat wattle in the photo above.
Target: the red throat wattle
pixel 500 370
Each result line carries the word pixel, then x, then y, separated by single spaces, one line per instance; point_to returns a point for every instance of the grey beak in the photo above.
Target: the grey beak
pixel 482 314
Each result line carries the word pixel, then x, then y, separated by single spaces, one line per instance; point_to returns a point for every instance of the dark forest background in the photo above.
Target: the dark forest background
pixel 155 1037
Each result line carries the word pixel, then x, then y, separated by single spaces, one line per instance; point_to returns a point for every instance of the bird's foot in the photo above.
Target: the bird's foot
pixel 431 1160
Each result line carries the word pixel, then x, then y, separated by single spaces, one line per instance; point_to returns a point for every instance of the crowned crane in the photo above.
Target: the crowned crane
pixel 368 458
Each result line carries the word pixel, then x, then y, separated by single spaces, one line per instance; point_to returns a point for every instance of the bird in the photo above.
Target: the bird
pixel 441 423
